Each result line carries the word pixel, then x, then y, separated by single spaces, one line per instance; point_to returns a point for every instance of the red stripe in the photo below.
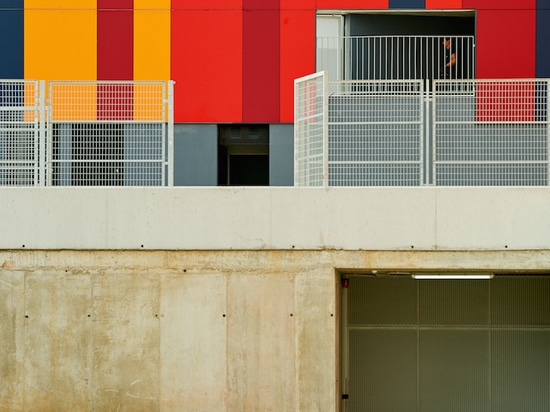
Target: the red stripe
pixel 115 39
pixel 261 61
pixel 115 58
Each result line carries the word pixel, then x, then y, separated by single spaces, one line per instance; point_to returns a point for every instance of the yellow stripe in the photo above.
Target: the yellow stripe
pixel 151 52
pixel 61 44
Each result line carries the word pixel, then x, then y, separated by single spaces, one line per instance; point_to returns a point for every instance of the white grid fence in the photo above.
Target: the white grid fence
pixel 311 131
pixel 491 133
pixel 398 133
pixel 21 133
pixel 87 134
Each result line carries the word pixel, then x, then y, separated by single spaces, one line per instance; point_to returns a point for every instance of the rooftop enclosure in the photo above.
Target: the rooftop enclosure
pixel 466 132
pixel 86 133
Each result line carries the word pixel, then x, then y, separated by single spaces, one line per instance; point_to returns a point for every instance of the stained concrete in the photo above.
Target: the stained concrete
pixel 189 330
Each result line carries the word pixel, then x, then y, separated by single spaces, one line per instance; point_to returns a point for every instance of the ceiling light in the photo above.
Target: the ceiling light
pixel 453 275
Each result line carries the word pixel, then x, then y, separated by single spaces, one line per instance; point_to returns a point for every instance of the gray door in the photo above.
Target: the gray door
pixel 447 345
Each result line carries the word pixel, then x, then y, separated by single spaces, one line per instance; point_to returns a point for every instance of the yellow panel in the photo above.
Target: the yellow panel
pixel 151 39
pixel 151 55
pixel 61 44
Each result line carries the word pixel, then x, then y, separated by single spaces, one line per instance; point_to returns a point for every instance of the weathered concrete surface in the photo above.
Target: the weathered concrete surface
pixel 189 330
pixel 252 218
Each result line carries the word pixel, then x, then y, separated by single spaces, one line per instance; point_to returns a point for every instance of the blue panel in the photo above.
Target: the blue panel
pixel 11 39
pixel 543 34
pixel 543 4
pixel 407 4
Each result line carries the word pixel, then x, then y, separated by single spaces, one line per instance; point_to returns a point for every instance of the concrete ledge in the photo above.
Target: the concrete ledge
pixel 209 218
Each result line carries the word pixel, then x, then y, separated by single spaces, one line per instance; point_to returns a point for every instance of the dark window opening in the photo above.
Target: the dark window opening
pixel 243 155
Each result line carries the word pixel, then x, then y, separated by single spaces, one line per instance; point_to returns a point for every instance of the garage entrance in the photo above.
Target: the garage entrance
pixel 446 345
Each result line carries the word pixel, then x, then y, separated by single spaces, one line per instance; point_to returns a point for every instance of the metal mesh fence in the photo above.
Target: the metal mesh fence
pixel 491 133
pixel 108 134
pixel 375 133
pixel 310 130
pixel 19 133
pixel 396 57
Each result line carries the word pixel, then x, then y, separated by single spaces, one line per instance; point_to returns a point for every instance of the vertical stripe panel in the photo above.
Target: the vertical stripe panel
pixel 407 4
pixel 543 35
pixel 115 39
pixel 206 62
pixel 151 39
pixel 352 4
pixel 297 54
pixel 11 39
pixel 512 31
pixel 115 58
pixel 60 39
pixel 261 61
pixel 443 4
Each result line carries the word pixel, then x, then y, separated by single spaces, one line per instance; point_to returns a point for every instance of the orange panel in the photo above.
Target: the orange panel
pixel 151 39
pixel 207 65
pixel 352 4
pixel 297 55
pixel 443 4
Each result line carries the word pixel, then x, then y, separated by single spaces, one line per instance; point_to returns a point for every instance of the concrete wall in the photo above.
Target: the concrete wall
pixel 427 218
pixel 159 331
pixel 189 330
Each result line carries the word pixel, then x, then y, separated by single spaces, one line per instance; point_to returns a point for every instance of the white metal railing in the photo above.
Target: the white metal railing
pixel 393 133
pixel 21 133
pixel 375 133
pixel 311 131
pixel 491 132
pixel 87 133
pixel 396 57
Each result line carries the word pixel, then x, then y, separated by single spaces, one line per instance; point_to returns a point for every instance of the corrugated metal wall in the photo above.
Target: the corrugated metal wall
pixel 449 345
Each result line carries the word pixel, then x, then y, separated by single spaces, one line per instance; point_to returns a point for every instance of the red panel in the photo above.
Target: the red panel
pixel 506 102
pixel 115 39
pixel 115 58
pixel 505 43
pixel 499 4
pixel 261 64
pixel 298 4
pixel 352 4
pixel 206 63
pixel 443 4
pixel 297 55
pixel 206 4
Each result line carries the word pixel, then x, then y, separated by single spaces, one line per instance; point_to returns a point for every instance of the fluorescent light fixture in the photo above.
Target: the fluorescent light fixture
pixel 453 275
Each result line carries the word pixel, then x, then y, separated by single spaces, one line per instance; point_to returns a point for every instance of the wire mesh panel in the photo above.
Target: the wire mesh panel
pixel 376 133
pixel 491 133
pixel 398 57
pixel 19 133
pixel 109 133
pixel 310 130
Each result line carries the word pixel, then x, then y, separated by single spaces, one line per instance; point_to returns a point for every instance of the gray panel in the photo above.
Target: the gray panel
pixel 281 155
pixel 443 302
pixel 382 301
pixel 521 371
pixel 195 154
pixel 382 370
pixel 521 300
pixel 454 371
